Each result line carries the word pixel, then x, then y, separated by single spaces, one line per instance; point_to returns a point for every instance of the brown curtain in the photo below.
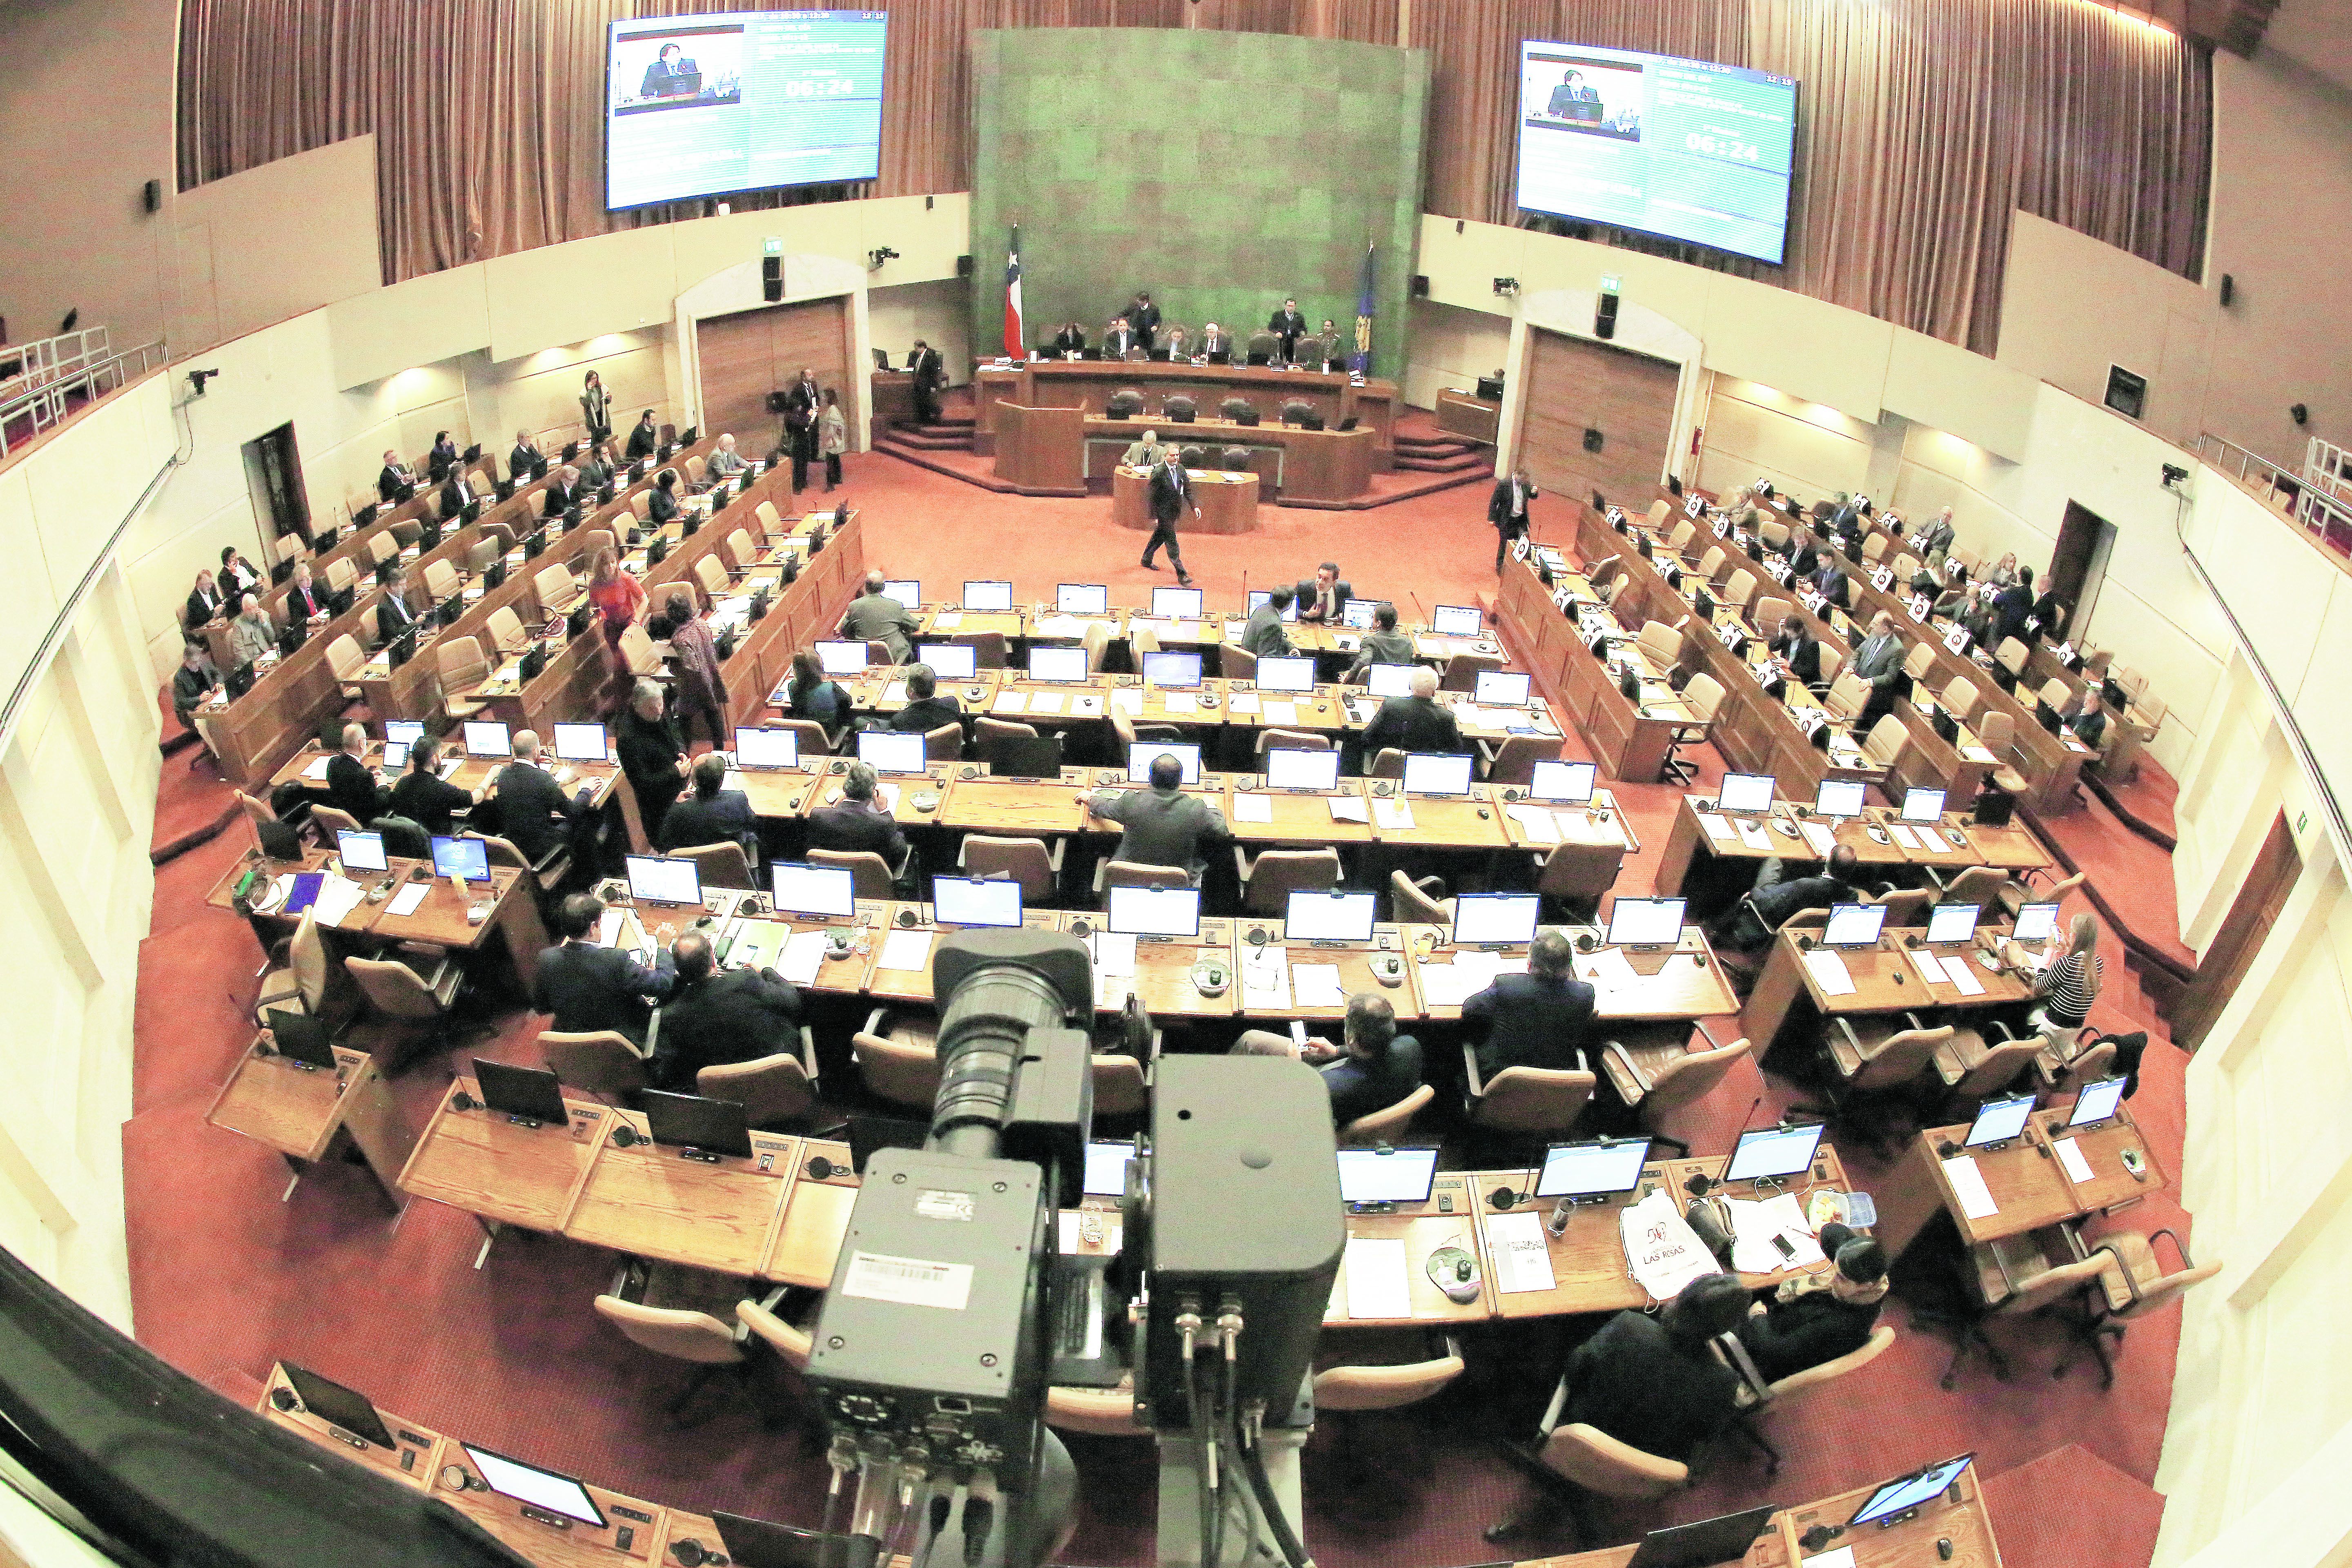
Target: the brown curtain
pixel 1922 122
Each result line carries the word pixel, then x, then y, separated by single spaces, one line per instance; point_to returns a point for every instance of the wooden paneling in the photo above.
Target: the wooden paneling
pixel 750 354
pixel 1574 386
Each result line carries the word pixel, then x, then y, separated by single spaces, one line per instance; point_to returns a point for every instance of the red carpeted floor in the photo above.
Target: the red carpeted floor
pixel 226 1277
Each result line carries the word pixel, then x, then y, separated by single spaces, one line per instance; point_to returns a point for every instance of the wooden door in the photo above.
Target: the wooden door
pixel 747 355
pixel 2251 915
pixel 1575 385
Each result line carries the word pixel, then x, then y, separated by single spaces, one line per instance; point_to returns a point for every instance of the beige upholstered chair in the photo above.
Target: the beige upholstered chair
pixel 771 1090
pixel 1389 1125
pixel 901 1066
pixel 1526 1100
pixel 603 1062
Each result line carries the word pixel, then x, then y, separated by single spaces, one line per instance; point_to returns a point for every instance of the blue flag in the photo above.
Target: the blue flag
pixel 1361 361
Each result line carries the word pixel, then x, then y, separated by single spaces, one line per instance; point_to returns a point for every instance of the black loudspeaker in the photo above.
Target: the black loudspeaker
pixel 772 278
pixel 1604 316
pixel 2229 284
pixel 963 265
pixel 1421 285
pixel 1593 440
pixel 154 198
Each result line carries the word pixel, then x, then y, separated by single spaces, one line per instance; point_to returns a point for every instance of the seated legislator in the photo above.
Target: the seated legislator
pixel 1324 600
pixel 1879 662
pixel 253 634
pixel 1797 648
pixel 811 694
pixel 1750 927
pixel 1119 338
pixel 1832 584
pixel 1144 453
pixel 303 597
pixel 204 602
pixel 238 575
pixel 456 495
pixel 1162 826
pixel 588 987
pixel 1178 346
pixel 442 458
pixel 671 75
pixel 651 757
pixel 392 616
pixel 424 796
pixel 597 471
pixel 194 683
pixel 1372 1068
pixel 534 814
pixel 1415 723
pixel 1383 644
pixel 661 502
pixel 1215 341
pixel 1820 1316
pixel 524 458
pixel 645 439
pixel 353 786
pixel 1656 1383
pixel 562 494
pixel 393 479
pixel 1263 634
pixel 714 1020
pixel 926 710
pixel 1534 1020
pixel 709 814
pixel 874 616
pixel 1070 340
pixel 859 822
pixel 726 462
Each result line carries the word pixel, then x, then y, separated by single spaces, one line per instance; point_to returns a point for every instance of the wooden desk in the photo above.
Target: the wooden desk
pixel 1355 961
pixel 758 942
pixel 500 1172
pixel 650 1201
pixel 1322 711
pixel 892 399
pixel 1527 821
pixel 943 623
pixel 1423 1229
pixel 442 918
pixel 1685 982
pixel 816 1218
pixel 307 1114
pixel 631 1530
pixel 1021 807
pixel 1439 822
pixel 1163 976
pixel 2028 1184
pixel 1090 383
pixel 915 984
pixel 1695 856
pixel 1299 817
pixel 905 793
pixel 2111 1186
pixel 1589 1271
pixel 410 1462
pixel 1885 979
pixel 881 690
pixel 1228 502
pixel 1911 1544
pixel 1046 705
pixel 1828 1170
pixel 1470 417
pixel 1040 451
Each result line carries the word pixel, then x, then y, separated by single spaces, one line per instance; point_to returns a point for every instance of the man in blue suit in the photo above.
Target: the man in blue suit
pixel 588 987
pixel 1532 1020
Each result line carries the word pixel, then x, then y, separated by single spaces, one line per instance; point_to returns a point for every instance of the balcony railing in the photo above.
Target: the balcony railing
pixel 2308 500
pixel 43 383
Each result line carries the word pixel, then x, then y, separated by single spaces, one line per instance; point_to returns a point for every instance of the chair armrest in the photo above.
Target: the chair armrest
pixel 1633 1073
pixel 1472 1085
pixel 808 1053
pixel 1241 864
pixel 874 1022
pixel 2177 1245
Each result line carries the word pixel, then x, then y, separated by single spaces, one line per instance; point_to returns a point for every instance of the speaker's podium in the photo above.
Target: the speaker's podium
pixel 1041 451
pixel 1228 502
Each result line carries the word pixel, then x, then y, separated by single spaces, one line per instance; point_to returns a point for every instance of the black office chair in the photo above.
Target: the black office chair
pixel 1178 408
pixel 1234 459
pixel 1297 413
pixel 1238 408
pixel 1126 403
pixel 1193 457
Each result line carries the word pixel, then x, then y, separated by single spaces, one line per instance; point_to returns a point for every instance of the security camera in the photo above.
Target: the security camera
pixel 196 379
pixel 2173 474
pixel 875 258
pixel 1507 286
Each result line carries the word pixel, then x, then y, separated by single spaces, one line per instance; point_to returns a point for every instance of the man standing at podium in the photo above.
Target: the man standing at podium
pixel 1171 492
pixel 1288 325
pixel 1144 317
pixel 930 372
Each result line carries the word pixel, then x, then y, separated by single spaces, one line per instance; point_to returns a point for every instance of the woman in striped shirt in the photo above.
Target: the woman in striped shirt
pixel 2068 983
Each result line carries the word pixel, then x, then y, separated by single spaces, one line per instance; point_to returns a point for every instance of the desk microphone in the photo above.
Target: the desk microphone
pixel 627 1136
pixel 820 1168
pixel 1821 1535
pixel 461 1100
pixel 1700 1183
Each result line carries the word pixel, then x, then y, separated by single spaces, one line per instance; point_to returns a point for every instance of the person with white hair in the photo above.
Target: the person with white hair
pixel 726 462
pixel 1415 723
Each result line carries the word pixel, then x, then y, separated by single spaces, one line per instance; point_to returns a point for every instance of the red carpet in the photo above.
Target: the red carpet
pixel 226 1278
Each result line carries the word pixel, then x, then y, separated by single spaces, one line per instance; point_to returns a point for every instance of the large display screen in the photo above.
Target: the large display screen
pixel 740 100
pixel 1680 148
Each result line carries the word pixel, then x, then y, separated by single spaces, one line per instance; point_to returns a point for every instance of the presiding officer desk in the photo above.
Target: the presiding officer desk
pixel 1091 383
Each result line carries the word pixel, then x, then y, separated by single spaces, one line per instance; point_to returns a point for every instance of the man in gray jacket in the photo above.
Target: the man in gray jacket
pixel 1383 644
pixel 874 616
pixel 1879 660
pixel 1163 827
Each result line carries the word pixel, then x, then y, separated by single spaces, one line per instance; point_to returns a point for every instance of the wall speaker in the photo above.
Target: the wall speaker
pixel 1421 285
pixel 772 278
pixel 1604 318
pixel 963 265
pixel 2229 289
pixel 154 195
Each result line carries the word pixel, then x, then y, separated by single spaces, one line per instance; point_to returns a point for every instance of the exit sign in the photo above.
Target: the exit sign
pixel 773 245
pixel 1611 283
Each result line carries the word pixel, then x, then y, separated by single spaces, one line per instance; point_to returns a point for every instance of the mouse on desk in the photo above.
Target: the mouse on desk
pixel 1484 814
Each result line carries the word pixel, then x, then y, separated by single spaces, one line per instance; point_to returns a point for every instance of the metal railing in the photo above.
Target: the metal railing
pixel 2329 467
pixel 43 383
pixel 2313 506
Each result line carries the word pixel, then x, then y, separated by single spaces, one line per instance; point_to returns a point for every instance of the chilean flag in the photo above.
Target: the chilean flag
pixel 1015 341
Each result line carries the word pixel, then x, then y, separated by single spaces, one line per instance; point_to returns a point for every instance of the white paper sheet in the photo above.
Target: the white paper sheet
pixel 887 793
pixel 895 694
pixel 1059 626
pixel 404 902
pixel 906 950
pixel 1378 1286
pixel 802 956
pixel 1244 702
pixel 1822 840
pixel 1608 969
pixel 1282 714
pixel 608 926
pixel 1969 1183
pixel 1962 972
pixel 1182 702
pixel 1265 978
pixel 1252 808
pixel 1317 985
pixel 1522 1259
pixel 338 896
pixel 1394 813
pixel 1535 822
pixel 1753 1226
pixel 1013 702
pixel 947 620
pixel 1751 834
pixel 1841 1558
pixel 1127 700
pixel 1717 826
pixel 1349 808
pixel 1046 701
pixel 318 770
pixel 1901 832
pixel 2069 1155
pixel 1830 972
pixel 1445 985
pixel 1114 954
pixel 1931 967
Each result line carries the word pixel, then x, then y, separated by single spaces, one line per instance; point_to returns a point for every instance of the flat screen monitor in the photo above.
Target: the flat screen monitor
pixel 1645 922
pixel 664 880
pixel 1951 923
pixel 1457 621
pixel 339 1406
pixel 2097 1101
pixel 827 891
pixel 541 1488
pixel 756 1543
pixel 1562 784
pixel 1140 756
pixel 1907 1492
pixel 1702 1544
pixel 1286 674
pixel 976 901
pixel 1500 688
pixel 1750 793
pixel 841 657
pixel 892 751
pixel 1061 665
pixel 487 738
pixel 407 732
pixel 1921 804
pixel 396 758
pixel 1172 669
pixel 907 591
pixel 1286 767
pixel 1854 925
pixel 1593 1170
pixel 1310 916
pixel 1482 920
pixel 361 851
pixel 692 1121
pixel 1837 797
pixel 988 594
pixel 1687 149
pixel 1766 1153
pixel 1260 596
pixel 767 748
pixel 1107 1168
pixel 949 660
pixel 581 744
pixel 740 100
pixel 1176 603
pixel 1387 1175
pixel 1358 613
pixel 1999 1120
pixel 1082 598
pixel 1436 772
pixel 2036 922
pixel 1390 680
pixel 531 1094
pixel 461 860
pixel 1155 912
pixel 301 1037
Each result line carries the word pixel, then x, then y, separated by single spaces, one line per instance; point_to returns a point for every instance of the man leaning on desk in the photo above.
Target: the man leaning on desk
pixel 715 1019
pixel 1759 915
pixel 1372 1068
pixel 1164 825
pixel 874 616
pixel 1324 600
pixel 1262 634
pixel 590 988
pixel 1537 1019
pixel 710 813
pixel 533 813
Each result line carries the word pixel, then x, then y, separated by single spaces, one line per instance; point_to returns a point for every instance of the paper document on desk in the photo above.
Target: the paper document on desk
pixel 1608 970
pixel 608 926
pixel 1717 826
pixel 318 770
pixel 1182 702
pixel 1252 808
pixel 1128 700
pixel 1444 986
pixel 404 902
pixel 338 896
pixel 1393 813
pixel 1114 954
pixel 1282 714
pixel 1661 1250
pixel 1013 702
pixel 1902 835
pixel 1060 626
pixel 1349 808
pixel 1829 972
pixel 1045 702
pixel 1362 710
pixel 1753 1226
pixel 2069 1151
pixel 1522 1259
pixel 947 620
pixel 1820 838
pixel 894 695
pixel 1931 967
pixel 1266 979
pixel 906 950
pixel 1245 703
pixel 1317 985
pixel 802 956
pixel 1962 972
pixel 1841 1558
pixel 1377 1284
pixel 1535 822
pixel 887 793
pixel 1969 1184
pixel 1751 834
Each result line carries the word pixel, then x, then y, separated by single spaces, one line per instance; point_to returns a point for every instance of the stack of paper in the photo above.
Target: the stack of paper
pixel 1318 985
pixel 1445 984
pixel 1830 972
pixel 1059 626
pixel 1968 1184
pixel 1900 834
pixel 1535 822
pixel 1244 702
pixel 1114 954
pixel 887 793
pixel 1717 826
pixel 404 902
pixel 317 769
pixel 802 956
pixel 1182 702
pixel 1252 808
pixel 906 950
pixel 1753 1226
pixel 1349 808
pixel 1013 702
pixel 1394 813
pixel 1378 1286
pixel 1962 973
pixel 338 896
pixel 1265 978
pixel 1282 714
pixel 1522 1259
pixel 1819 837
pixel 1044 702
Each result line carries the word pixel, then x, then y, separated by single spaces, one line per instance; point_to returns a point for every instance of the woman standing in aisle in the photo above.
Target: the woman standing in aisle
pixel 833 437
pixel 595 408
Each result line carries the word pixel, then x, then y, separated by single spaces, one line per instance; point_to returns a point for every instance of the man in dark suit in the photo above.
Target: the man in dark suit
pixel 204 602
pixel 1216 340
pixel 1655 1384
pixel 392 616
pixel 523 459
pixel 1383 644
pixel 238 577
pixel 1144 317
pixel 860 824
pixel 714 1020
pixel 926 710
pixel 1171 493
pixel 1374 1068
pixel 588 987
pixel 1070 340
pixel 671 75
pixel 709 813
pixel 534 814
pixel 1262 634
pixel 803 401
pixel 1570 99
pixel 1287 325
pixel 1795 646
pixel 645 440
pixel 353 787
pixel 874 616
pixel 1532 1020
pixel 562 494
pixel 303 599
pixel 1415 723
pixel 196 682
pixel 931 375
pixel 1161 825
pixel 456 494
pixel 1120 338
pixel 395 479
pixel 1755 920
pixel 1880 661
pixel 1821 1316
pixel 1507 509
pixel 599 469
pixel 1832 584
pixel 1324 600
pixel 2013 606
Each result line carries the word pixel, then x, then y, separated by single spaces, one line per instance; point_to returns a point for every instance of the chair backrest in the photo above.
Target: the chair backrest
pixel 505 627
pixel 394 989
pixel 900 1073
pixel 1998 1069
pixel 2136 1283
pixel 1874 546
pixel 333 819
pixel 1140 641
pixel 339 575
pixel 1388 763
pixel 1683 533
pixel 1774 534
pixel 1901 1058
pixel 1905 906
pixel 441 579
pixel 1704 696
pixel 740 550
pixel 1136 874
pixel 1277 873
pixel 1885 741
pixel 1462 670
pixel 1995 730
pixel 603 1062
pixel 555 585
pixel 345 657
pixel 2011 655
pixel 1662 642
pixel 1979 885
pixel 1692 1076
pixel 2056 693
pixel 722 865
pixel 1581 872
pixel 1388 1126
pixel 672 1332
pixel 770 523
pixel 1855 1360
pixel 944 745
pixel 1234 459
pixel 1599 1463
pixel 1385 1387
pixel 695 468
pixel 1740 589
pixel 1533 1100
pixel 1408 905
pixel 1711 562
pixel 1959 696
pixel 481 552
pixel 499 851
pixel 985 729
pixel 1833 660
pixel 1516 759
pixel 1920 660
pixel 1025 861
pixel 869 873
pixel 1289 741
pixel 1096 642
pixel 711 574
pixel 460 662
pixel 1097 1412
pixel 1118 1086
pixel 769 1088
pixel 813 741
pixel 1235 662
